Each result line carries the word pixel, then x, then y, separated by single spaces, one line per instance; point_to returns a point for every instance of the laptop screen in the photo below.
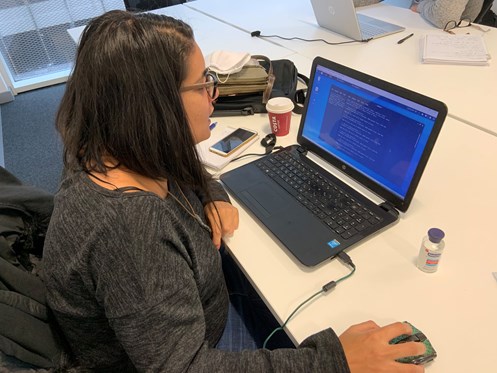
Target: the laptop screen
pixel 379 133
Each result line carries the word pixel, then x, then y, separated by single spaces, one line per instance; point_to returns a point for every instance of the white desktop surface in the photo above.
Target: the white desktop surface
pixel 75 33
pixel 212 35
pixel 469 91
pixel 455 307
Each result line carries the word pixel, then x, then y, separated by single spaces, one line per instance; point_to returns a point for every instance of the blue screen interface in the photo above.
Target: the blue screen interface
pixel 381 135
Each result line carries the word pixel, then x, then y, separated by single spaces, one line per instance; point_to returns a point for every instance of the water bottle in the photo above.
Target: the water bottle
pixel 431 250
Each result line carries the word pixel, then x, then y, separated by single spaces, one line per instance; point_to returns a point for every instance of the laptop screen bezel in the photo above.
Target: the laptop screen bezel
pixel 401 204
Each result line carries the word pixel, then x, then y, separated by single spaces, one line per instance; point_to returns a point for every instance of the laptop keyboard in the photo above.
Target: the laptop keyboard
pixel 369 31
pixel 338 210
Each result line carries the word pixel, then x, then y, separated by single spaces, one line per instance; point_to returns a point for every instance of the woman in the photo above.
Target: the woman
pixel 132 268
pixel 440 12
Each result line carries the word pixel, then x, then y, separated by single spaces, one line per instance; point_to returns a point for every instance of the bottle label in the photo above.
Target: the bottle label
pixel 432 258
pixel 428 260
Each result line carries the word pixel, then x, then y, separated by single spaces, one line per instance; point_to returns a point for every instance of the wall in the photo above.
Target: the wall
pixel 5 92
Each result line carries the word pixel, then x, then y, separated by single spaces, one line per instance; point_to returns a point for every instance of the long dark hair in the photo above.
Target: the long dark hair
pixel 122 99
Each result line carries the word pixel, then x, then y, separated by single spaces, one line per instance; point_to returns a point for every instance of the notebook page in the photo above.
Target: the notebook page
pixel 463 49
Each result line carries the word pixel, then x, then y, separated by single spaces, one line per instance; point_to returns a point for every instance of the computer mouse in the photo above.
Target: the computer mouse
pixel 416 336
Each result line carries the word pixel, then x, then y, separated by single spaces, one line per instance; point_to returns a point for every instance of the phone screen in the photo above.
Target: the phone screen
pixel 232 141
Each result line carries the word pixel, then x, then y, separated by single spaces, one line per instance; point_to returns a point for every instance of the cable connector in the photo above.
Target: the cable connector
pixel 255 33
pixel 345 259
pixel 330 285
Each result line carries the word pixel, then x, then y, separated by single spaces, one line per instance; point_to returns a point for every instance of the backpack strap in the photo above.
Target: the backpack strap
pixel 300 95
pixel 270 76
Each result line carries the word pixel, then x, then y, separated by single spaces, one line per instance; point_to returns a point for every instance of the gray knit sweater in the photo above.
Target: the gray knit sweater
pixel 439 12
pixel 136 285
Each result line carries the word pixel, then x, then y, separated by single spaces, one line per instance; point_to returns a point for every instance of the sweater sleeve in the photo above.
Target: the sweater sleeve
pixel 184 349
pixel 215 188
pixel 321 352
pixel 358 3
pixel 440 12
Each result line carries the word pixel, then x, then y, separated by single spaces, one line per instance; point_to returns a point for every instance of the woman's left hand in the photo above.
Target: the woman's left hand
pixel 223 219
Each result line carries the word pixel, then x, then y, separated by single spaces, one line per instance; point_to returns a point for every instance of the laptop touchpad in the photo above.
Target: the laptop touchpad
pixel 265 199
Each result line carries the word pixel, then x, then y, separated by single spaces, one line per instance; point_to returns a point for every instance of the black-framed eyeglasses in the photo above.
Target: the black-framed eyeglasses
pixel 451 25
pixel 210 85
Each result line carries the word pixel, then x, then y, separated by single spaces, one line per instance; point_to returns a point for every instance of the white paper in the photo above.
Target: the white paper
pixel 455 49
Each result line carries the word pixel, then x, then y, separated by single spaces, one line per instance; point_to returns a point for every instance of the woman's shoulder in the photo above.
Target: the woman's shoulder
pixel 104 221
pixel 79 187
pixel 79 201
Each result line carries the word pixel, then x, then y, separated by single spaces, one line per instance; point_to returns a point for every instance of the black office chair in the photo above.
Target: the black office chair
pixel 487 4
pixel 150 4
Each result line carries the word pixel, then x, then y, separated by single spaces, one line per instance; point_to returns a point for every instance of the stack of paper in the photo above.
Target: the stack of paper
pixel 463 49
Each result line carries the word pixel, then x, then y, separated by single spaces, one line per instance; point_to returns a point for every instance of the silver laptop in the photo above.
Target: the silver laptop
pixel 340 16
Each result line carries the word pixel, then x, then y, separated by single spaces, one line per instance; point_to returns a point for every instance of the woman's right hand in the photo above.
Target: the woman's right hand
pixel 367 348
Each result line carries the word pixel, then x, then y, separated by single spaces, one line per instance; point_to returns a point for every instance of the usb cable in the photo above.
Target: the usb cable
pixel 345 259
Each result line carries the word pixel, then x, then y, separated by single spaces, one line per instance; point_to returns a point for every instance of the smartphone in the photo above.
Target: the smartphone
pixel 232 142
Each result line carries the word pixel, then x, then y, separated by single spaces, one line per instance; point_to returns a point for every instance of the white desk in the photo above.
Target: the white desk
pixel 470 92
pixel 212 35
pixel 455 306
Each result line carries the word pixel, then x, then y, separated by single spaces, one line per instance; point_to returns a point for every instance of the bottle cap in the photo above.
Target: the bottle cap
pixel 436 235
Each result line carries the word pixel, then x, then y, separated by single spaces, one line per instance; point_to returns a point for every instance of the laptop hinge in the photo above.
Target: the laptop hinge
pixel 388 207
pixel 302 150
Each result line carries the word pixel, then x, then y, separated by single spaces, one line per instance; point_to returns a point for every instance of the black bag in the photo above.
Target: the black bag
pixel 28 331
pixel 285 85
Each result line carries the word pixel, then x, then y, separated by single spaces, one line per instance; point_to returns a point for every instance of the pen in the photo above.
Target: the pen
pixel 404 39
pixel 212 125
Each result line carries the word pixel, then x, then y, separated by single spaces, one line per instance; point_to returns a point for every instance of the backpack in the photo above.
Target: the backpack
pixel 28 331
pixel 285 85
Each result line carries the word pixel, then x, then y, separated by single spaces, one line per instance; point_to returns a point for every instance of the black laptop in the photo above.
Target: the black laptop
pixel 376 133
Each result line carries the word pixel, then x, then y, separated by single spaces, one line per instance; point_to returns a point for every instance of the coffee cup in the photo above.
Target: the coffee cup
pixel 279 110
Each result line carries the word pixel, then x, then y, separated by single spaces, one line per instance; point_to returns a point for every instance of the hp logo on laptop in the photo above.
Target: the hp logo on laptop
pixel 331 10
